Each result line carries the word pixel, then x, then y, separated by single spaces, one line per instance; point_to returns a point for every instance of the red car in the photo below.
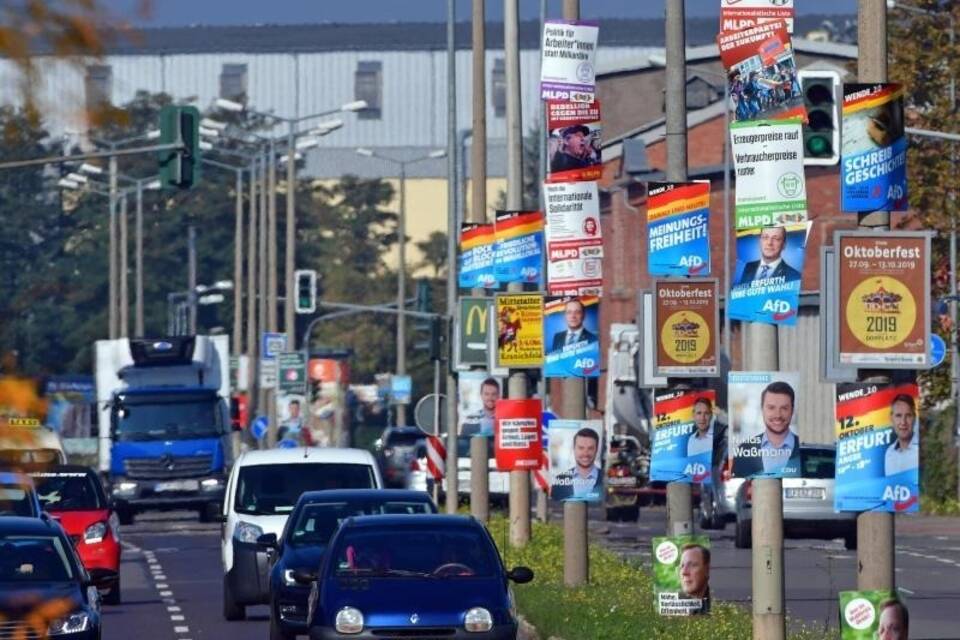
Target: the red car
pixel 74 496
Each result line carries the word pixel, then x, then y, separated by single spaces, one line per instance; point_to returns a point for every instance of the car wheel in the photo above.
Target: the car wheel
pixel 125 516
pixel 113 596
pixel 741 537
pixel 706 519
pixel 276 631
pixel 231 610
pixel 850 541
pixel 613 514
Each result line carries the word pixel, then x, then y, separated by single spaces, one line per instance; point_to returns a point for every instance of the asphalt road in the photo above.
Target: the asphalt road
pixel 171 575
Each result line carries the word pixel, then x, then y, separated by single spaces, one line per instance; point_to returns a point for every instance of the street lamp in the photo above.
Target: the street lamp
pixel 401 260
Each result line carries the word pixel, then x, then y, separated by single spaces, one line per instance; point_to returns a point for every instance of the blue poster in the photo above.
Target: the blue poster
pixel 683 436
pixel 678 228
pixel 518 252
pixel 571 337
pixel 476 257
pixel 766 283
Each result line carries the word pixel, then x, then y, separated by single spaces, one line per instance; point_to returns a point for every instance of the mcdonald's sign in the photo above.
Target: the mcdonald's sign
pixel 473 327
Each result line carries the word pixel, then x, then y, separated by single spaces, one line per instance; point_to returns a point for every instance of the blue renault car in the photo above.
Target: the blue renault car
pixel 311 524
pixel 433 576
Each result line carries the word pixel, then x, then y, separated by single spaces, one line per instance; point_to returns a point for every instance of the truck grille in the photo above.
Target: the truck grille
pixel 168 467
pixel 18 630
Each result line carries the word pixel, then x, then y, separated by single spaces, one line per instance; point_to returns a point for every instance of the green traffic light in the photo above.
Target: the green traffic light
pixel 818 146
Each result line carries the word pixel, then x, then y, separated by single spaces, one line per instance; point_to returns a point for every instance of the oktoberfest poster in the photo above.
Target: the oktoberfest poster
pixel 574 239
pixel 737 15
pixel 477 256
pixel 682 436
pixel 768 157
pixel 681 575
pixel 518 250
pixel 762 72
pixel 519 330
pixel 571 332
pixel 873 155
pixel 573 145
pixel 871 615
pixel 878 448
pixel 766 283
pixel 517 443
pixel 576 467
pixel 686 322
pixel 764 430
pixel 567 65
pixel 678 228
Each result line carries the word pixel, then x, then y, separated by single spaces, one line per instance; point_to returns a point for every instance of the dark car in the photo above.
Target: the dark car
pixel 434 576
pixel 312 522
pixel 18 497
pixel 396 451
pixel 41 579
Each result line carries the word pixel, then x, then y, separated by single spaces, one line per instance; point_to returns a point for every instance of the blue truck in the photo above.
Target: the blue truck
pixel 164 438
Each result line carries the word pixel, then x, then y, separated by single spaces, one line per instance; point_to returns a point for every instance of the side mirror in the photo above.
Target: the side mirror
pixel 268 540
pixel 520 575
pixel 301 576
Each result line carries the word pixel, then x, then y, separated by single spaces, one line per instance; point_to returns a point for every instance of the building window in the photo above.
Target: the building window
pixel 99 86
pixel 368 86
pixel 233 82
pixel 498 88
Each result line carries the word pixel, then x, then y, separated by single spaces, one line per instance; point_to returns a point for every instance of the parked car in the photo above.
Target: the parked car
pixel 261 492
pixel 405 576
pixel 38 566
pixel 75 497
pixel 718 504
pixel 396 451
pixel 807 502
pixel 312 522
pixel 622 498
pixel 18 497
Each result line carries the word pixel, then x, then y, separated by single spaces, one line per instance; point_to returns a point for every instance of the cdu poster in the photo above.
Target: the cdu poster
pixel 477 256
pixel 683 436
pixel 766 283
pixel 678 228
pixel 518 251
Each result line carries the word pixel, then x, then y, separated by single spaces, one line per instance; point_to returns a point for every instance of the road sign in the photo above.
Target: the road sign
pixel 268 373
pixel 259 427
pixel 292 372
pixel 938 350
pixel 272 344
pixel 401 389
pixel 424 416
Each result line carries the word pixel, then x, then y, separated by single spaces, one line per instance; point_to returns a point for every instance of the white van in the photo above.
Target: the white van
pixel 261 492
pixel 31 444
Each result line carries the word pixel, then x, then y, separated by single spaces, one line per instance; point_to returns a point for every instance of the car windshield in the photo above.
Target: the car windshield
pixel 15 501
pixel 318 521
pixel 818 463
pixel 448 553
pixel 33 559
pixel 269 489
pixel 160 419
pixel 403 439
pixel 67 491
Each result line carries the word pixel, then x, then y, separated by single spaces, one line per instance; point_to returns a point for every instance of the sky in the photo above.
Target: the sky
pixel 168 13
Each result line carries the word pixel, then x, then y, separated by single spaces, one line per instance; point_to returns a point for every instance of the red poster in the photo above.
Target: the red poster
pixel 517 442
pixel 573 137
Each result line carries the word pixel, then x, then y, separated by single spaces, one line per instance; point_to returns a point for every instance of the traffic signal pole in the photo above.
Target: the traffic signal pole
pixel 452 216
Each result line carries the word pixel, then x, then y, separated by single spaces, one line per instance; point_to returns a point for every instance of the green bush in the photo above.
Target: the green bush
pixel 938 462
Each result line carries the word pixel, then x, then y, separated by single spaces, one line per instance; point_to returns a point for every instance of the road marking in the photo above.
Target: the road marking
pixel 181 629
pixel 159 576
pixel 179 618
pixel 173 609
pixel 166 594
pixel 905 590
pixel 163 585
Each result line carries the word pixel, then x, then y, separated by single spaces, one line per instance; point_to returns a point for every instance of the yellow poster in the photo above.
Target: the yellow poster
pixel 520 330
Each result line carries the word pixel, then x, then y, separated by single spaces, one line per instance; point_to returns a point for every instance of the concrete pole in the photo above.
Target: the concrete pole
pixel 402 288
pixel 453 200
pixel 124 270
pixel 112 318
pixel 238 266
pixel 253 339
pixel 138 262
pixel 263 401
pixel 272 235
pixel 290 257
pixel 543 497
pixel 479 482
pixel 876 541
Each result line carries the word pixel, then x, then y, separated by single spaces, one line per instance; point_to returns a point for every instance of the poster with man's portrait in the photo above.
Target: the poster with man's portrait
pixel 573 146
pixel 477 395
pixel 767 279
pixel 764 435
pixel 576 465
pixel 292 420
pixel 681 575
pixel 571 336
pixel 873 615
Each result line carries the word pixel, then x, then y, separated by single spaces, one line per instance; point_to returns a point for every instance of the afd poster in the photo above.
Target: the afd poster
pixel 568 60
pixel 518 250
pixel 686 319
pixel 678 228
pixel 477 256
pixel 519 330
pixel 766 282
pixel 517 439
pixel 737 15
pixel 571 332
pixel 878 448
pixel 576 467
pixel 873 615
pixel 573 142
pixel 681 575
pixel 873 155
pixel 764 430
pixel 574 239
pixel 762 72
pixel 683 435
pixel 768 157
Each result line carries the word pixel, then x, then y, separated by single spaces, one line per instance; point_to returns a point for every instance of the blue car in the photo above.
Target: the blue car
pixel 312 522
pixel 18 497
pixel 434 576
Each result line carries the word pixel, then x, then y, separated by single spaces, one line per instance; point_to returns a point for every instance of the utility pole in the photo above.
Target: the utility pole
pixel 124 269
pixel 253 337
pixel 452 217
pixel 114 267
pixel 543 497
pixel 238 266
pixel 263 288
pixel 192 277
pixel 272 234
pixel 290 257
pixel 875 530
pixel 402 289
pixel 138 261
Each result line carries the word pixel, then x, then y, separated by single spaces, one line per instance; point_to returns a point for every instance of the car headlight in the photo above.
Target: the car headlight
pixel 349 620
pixel 95 533
pixel 478 619
pixel 125 488
pixel 246 532
pixel 211 484
pixel 73 623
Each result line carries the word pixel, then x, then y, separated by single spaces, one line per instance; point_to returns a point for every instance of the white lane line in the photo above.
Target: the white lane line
pixel 173 609
pixel 159 576
pixel 166 594
pixel 905 590
pixel 164 585
pixel 181 629
pixel 168 601
pixel 177 618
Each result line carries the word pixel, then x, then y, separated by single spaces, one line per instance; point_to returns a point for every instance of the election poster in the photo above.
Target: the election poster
pixel 873 154
pixel 763 433
pixel 574 239
pixel 293 420
pixel 573 142
pixel 517 443
pixel 571 330
pixel 884 297
pixel 768 157
pixel 518 251
pixel 737 15
pixel 477 256
pixel 762 72
pixel 683 435
pixel 766 282
pixel 686 319
pixel 878 448
pixel 519 330
pixel 568 62
pixel 576 467
pixel 477 396
pixel 681 575
pixel 678 228
pixel 869 615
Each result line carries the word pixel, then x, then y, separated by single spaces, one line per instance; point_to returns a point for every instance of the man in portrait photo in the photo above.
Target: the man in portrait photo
pixel 481 423
pixel 904 453
pixel 771 263
pixel 573 314
pixel 776 450
pixel 701 440
pixel 694 572
pixel 894 621
pixel 583 481
pixel 575 151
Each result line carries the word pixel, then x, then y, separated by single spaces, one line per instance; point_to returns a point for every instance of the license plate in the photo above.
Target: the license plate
pixel 177 485
pixel 814 493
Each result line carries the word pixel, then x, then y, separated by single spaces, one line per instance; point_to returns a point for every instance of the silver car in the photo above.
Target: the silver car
pixel 718 499
pixel 807 502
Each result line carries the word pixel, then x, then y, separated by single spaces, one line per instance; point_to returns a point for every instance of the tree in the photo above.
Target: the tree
pixel 434 250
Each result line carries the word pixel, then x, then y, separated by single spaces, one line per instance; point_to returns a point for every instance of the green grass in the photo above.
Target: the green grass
pixel 934 507
pixel 618 603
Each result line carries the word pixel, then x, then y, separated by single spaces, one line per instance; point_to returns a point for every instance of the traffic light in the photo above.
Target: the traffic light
pixel 306 289
pixel 437 339
pixel 424 296
pixel 822 98
pixel 180 167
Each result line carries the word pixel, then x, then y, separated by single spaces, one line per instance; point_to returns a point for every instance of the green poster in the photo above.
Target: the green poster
pixel 681 575
pixel 866 615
